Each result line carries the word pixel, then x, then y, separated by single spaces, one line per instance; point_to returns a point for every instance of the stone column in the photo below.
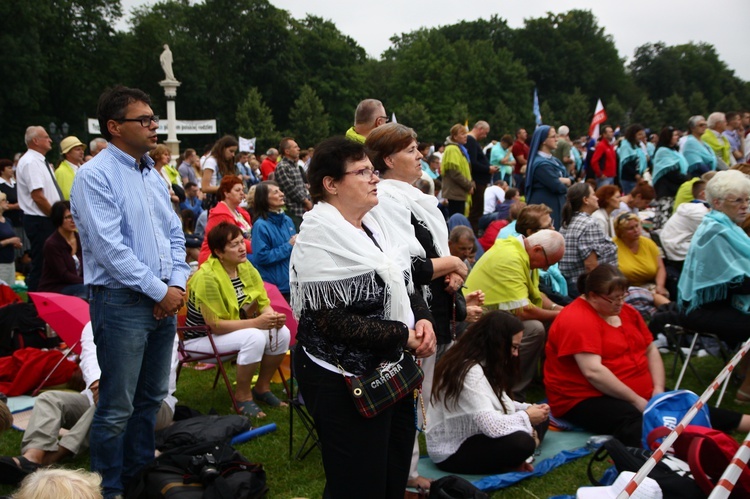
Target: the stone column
pixel 170 91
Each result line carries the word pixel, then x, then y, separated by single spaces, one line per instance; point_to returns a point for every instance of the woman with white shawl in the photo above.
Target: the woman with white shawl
pixel 351 287
pixel 393 150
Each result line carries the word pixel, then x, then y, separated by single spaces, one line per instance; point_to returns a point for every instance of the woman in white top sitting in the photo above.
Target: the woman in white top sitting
pixel 474 425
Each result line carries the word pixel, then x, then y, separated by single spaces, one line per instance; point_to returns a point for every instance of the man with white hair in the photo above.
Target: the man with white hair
pixel 508 273
pixel 97 145
pixel 369 115
pixel 563 149
pixel 37 192
pixel 268 166
pixel 715 139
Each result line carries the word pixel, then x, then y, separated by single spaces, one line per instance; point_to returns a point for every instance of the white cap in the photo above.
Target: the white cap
pixel 648 489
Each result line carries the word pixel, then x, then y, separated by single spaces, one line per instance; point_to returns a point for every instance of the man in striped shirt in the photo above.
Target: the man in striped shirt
pixel 134 263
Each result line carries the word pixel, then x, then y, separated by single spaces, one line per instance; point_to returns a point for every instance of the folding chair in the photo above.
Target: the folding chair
pixel 297 405
pixel 217 357
pixel 676 335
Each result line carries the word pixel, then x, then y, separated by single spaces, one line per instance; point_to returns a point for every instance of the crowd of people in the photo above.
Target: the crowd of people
pixel 480 259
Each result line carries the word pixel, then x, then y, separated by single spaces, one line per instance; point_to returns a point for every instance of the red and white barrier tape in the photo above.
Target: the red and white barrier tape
pixel 730 476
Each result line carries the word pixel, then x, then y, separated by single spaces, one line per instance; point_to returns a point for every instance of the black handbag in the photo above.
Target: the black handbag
pixel 387 384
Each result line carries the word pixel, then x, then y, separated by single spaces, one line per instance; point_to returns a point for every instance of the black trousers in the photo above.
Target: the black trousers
pixel 722 319
pixel 38 229
pixel 610 416
pixel 363 458
pixel 456 207
pixel 477 206
pixel 483 455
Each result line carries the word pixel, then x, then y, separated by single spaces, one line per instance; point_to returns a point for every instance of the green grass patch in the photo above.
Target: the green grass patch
pixel 288 478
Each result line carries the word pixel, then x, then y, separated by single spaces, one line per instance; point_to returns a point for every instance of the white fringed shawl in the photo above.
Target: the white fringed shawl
pixel 332 264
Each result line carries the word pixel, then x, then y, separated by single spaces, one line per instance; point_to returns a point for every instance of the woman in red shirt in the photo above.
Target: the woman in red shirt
pixel 231 193
pixel 602 366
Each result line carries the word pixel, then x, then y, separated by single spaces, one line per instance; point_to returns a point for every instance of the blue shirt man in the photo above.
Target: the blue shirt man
pixel 134 263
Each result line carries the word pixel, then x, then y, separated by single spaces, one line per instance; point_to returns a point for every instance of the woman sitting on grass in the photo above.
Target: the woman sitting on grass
pixel 218 291
pixel 602 366
pixel 474 425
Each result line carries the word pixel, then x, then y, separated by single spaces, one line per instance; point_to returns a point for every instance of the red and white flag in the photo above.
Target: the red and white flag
pixel 600 116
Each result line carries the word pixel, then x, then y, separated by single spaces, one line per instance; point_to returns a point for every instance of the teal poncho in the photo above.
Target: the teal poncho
pixel 625 151
pixel 718 258
pixel 666 160
pixel 697 153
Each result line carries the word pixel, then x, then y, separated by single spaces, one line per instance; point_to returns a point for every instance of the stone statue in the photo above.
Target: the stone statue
pixel 166 64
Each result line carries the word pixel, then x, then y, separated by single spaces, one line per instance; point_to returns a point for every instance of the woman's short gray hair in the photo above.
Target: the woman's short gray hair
pixel 693 121
pixel 726 183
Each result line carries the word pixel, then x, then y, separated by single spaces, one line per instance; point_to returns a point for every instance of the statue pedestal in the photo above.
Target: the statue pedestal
pixel 170 91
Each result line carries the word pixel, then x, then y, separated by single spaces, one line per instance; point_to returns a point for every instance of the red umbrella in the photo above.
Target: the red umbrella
pixel 65 314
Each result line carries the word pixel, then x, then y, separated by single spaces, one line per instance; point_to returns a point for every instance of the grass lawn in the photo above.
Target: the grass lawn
pixel 289 478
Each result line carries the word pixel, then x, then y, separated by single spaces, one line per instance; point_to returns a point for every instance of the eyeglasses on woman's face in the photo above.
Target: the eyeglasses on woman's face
pixel 614 300
pixel 365 173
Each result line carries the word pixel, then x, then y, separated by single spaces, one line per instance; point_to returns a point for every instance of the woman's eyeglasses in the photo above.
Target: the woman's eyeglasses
pixel 614 301
pixel 365 173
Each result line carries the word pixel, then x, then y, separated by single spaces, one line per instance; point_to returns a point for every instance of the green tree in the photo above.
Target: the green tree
pixel 576 113
pixel 333 65
pixel 308 119
pixel 616 114
pixel 503 121
pixel 255 119
pixel 697 104
pixel 460 114
pixel 548 117
pixel 568 50
pixel 416 115
pixel 674 111
pixel 646 114
pixel 728 103
pixel 45 46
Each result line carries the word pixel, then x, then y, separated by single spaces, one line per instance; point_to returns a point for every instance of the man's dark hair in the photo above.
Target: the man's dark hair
pixel 731 115
pixel 112 105
pixel 190 185
pixel 285 144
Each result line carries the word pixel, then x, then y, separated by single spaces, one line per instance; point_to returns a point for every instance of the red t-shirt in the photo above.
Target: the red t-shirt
pixel 579 329
pixel 519 149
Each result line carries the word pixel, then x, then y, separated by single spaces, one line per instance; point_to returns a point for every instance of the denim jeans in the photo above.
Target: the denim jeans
pixel 604 181
pixel 134 352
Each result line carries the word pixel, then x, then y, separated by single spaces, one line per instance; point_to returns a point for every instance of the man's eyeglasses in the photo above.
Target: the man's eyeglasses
pixel 145 121
pixel 365 173
pixel 738 201
pixel 614 301
pixel 515 348
pixel 546 260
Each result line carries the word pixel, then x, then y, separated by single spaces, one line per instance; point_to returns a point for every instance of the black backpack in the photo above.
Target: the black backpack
pixel 455 487
pixel 207 470
pixel 669 473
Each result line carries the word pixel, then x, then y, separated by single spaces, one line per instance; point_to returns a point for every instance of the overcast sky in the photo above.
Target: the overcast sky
pixel 722 23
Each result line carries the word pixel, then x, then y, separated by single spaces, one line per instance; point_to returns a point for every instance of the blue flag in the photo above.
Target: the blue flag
pixel 537 113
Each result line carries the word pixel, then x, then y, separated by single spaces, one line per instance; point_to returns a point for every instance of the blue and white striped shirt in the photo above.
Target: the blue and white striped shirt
pixel 130 235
